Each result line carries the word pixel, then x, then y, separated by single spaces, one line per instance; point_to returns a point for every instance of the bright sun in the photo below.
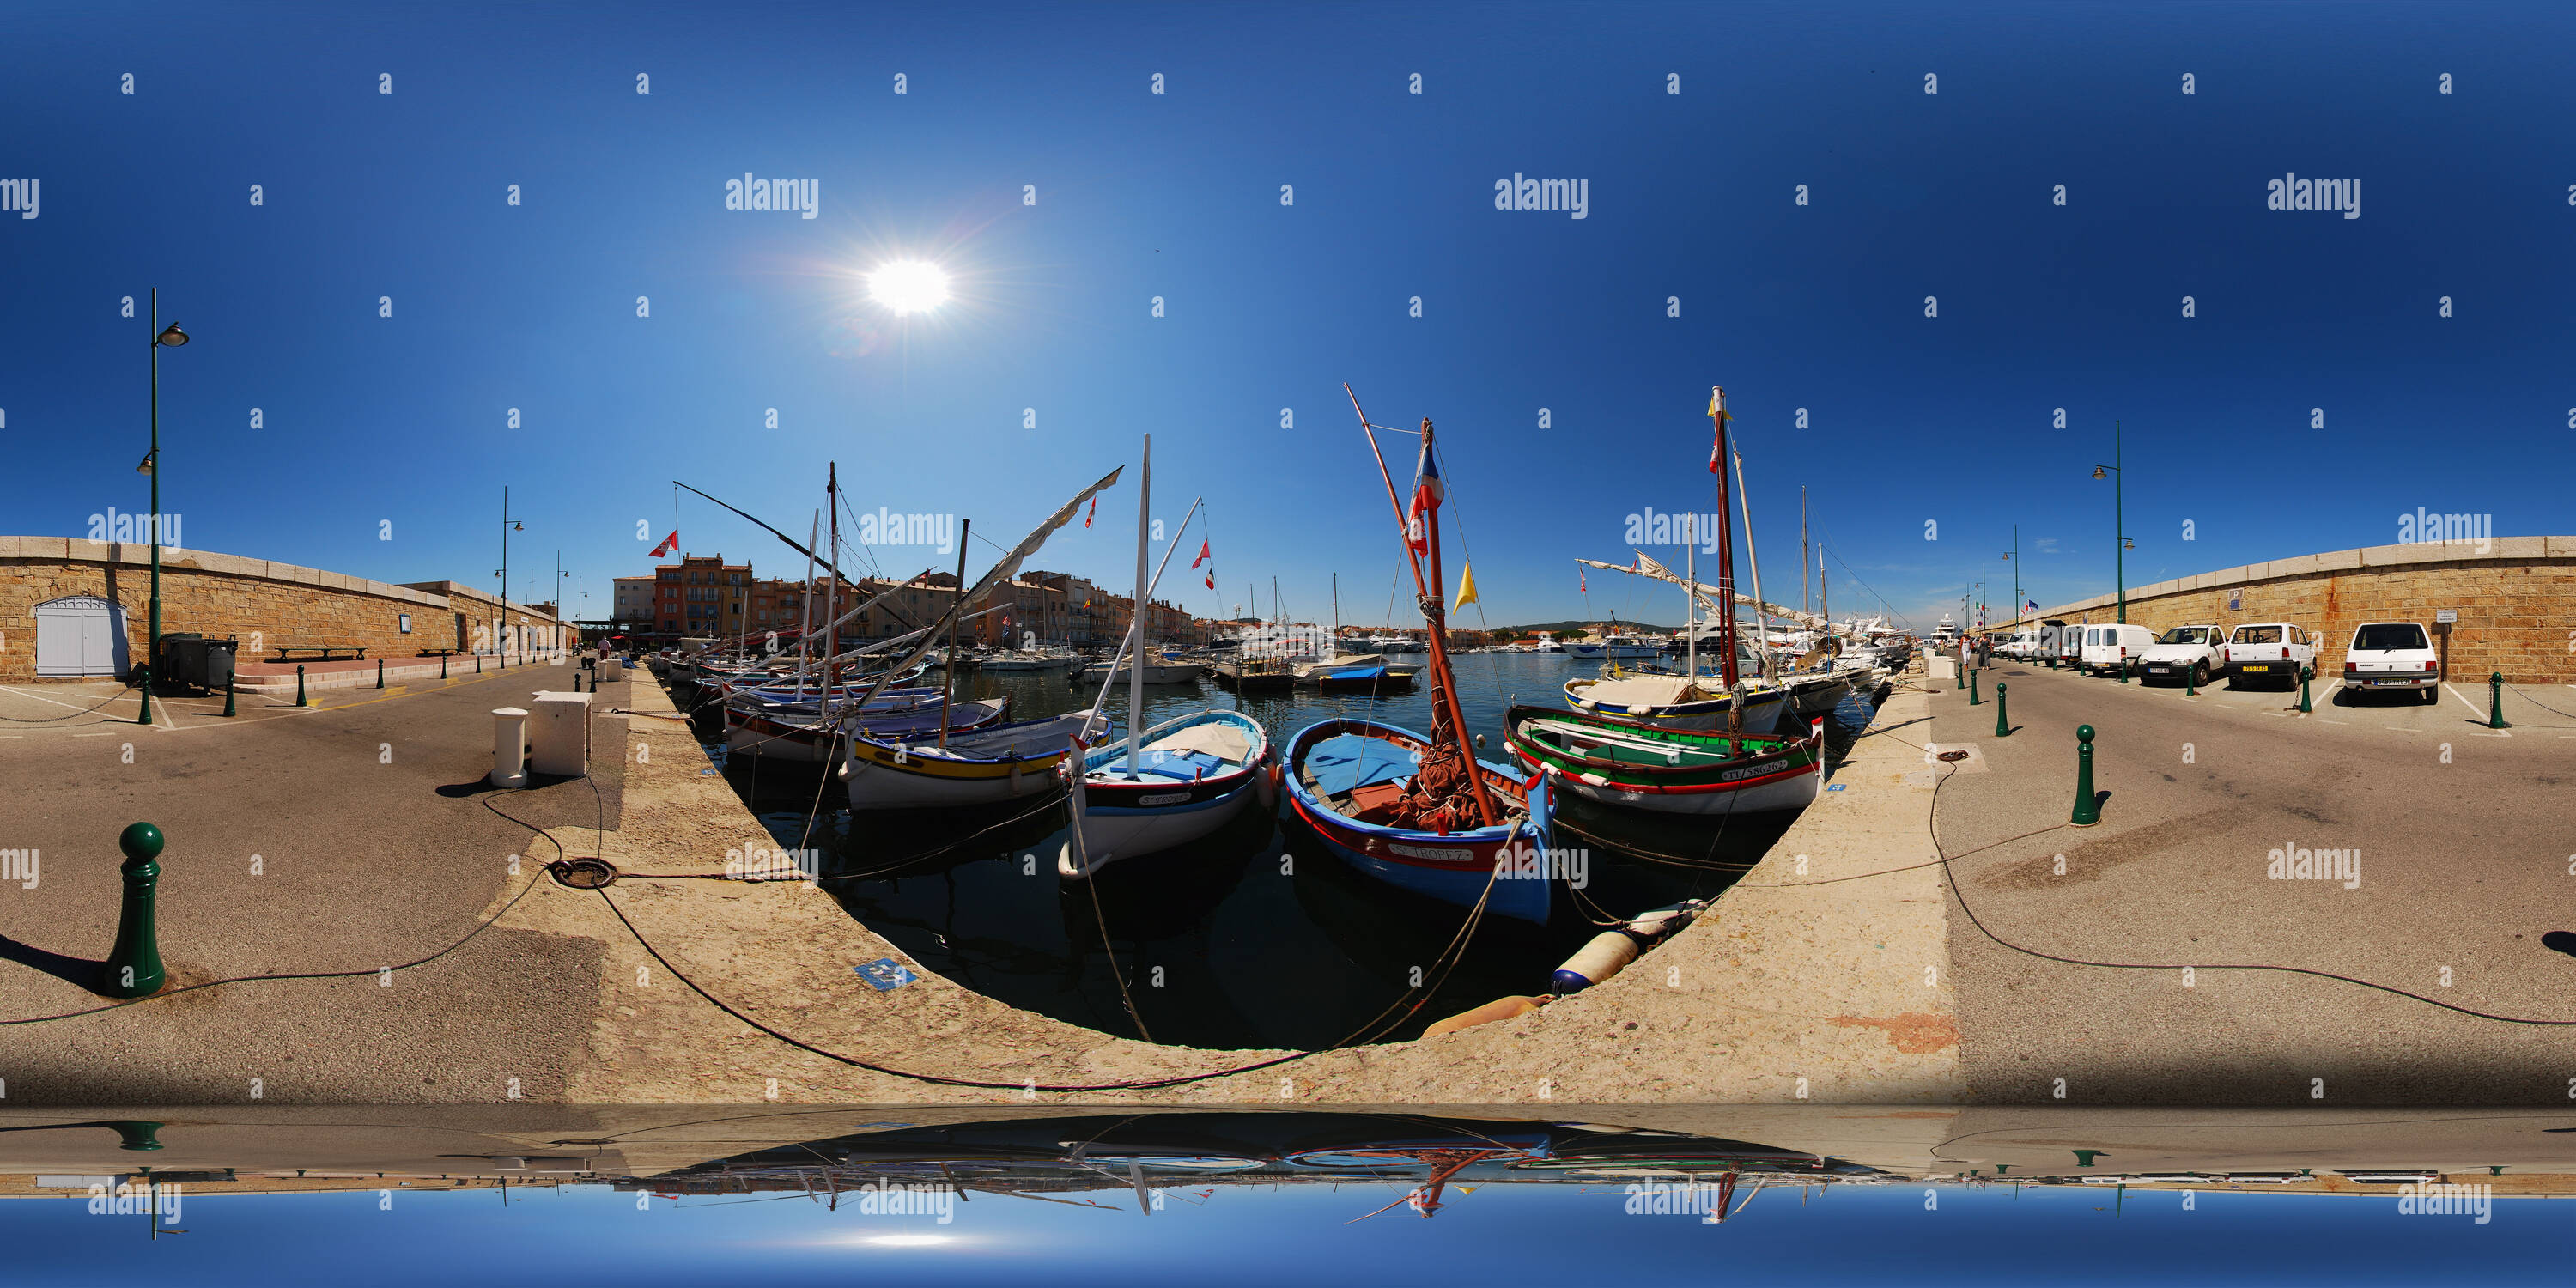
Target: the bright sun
pixel 909 286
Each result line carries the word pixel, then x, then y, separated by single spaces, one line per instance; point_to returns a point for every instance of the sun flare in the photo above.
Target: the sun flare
pixel 909 286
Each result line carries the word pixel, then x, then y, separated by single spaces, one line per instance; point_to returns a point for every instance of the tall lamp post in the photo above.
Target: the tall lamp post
pixel 2119 525
pixel 170 337
pixel 2009 558
pixel 501 619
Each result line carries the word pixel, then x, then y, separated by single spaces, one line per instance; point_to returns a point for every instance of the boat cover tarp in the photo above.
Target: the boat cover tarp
pixel 1640 691
pixel 1225 742
pixel 1337 765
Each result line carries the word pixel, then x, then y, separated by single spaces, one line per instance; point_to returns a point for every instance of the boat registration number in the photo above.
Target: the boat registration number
pixel 1167 798
pixel 1421 852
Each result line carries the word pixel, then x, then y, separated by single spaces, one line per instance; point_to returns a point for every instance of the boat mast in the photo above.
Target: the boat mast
pixel 1444 686
pixel 805 623
pixel 832 633
pixel 1690 603
pixel 1725 574
pixel 1806 580
pixel 1136 652
pixel 1761 607
pixel 948 674
pixel 1821 610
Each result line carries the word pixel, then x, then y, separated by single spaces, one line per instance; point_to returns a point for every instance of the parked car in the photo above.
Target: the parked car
pixel 2387 656
pixel 2106 645
pixel 2283 651
pixel 2185 652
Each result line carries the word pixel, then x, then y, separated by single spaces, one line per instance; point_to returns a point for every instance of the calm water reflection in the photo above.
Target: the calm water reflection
pixel 1255 937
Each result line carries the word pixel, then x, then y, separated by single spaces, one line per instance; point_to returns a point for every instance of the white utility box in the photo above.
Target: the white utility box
pixel 1945 668
pixel 509 748
pixel 559 735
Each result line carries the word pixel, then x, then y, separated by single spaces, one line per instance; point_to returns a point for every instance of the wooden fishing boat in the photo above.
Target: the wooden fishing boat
pixel 1674 701
pixel 806 739
pixel 1358 784
pixel 1416 810
pixel 1186 777
pixel 987 766
pixel 1670 771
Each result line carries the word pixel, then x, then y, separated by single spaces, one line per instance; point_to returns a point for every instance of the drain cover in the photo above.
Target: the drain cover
pixel 1947 755
pixel 583 873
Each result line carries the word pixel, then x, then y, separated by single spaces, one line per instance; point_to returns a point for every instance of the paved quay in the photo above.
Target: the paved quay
pixel 373 847
pixel 2463 865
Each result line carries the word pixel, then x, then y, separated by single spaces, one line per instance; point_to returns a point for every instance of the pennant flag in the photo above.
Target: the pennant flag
pixel 1582 581
pixel 1205 554
pixel 1427 495
pixel 1466 587
pixel 1095 509
pixel 669 544
pixel 1717 413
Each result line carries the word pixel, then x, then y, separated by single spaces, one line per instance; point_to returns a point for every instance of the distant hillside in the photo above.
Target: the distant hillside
pixel 1560 628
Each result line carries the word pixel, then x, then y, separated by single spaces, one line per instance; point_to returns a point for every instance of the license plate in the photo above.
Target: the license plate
pixel 2256 666
pixel 2160 670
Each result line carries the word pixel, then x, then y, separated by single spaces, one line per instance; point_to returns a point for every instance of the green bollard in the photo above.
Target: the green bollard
pixel 2087 811
pixel 1972 690
pixel 442 666
pixel 478 664
pixel 228 699
pixel 134 965
pixel 2003 728
pixel 2304 708
pixel 143 682
pixel 299 685
pixel 2495 699
pixel 2124 668
pixel 380 673
pixel 136 1134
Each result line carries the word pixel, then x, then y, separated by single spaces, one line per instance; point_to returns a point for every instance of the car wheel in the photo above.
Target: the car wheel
pixel 2200 675
pixel 2433 694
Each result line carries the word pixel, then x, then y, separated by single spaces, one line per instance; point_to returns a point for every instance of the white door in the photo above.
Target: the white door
pixel 80 635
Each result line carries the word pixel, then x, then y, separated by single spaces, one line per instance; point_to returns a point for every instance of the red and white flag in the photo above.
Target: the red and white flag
pixel 1717 413
pixel 1095 509
pixel 1583 581
pixel 1427 495
pixel 1204 554
pixel 669 544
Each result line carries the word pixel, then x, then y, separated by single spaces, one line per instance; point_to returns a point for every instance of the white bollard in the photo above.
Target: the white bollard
pixel 509 747
pixel 561 735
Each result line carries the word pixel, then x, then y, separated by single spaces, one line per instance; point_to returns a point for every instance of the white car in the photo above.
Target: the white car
pixel 2392 655
pixel 2185 652
pixel 2107 645
pixel 2281 651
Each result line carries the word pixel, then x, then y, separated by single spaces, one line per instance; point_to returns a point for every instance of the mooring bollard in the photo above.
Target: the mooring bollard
pixel 299 684
pixel 2087 811
pixel 2003 728
pixel 478 664
pixel 442 666
pixel 134 965
pixel 2190 681
pixel 380 673
pixel 1972 690
pixel 2495 699
pixel 2304 708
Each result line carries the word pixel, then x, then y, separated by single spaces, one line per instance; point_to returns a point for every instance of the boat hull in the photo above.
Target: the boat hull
pixel 889 775
pixel 1122 817
pixel 1785 773
pixel 1457 868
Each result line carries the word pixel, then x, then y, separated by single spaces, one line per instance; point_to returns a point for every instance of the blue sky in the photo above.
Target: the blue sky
pixel 1910 420
pixel 1506 1233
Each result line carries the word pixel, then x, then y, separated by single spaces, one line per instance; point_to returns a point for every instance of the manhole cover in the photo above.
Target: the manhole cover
pixel 1947 755
pixel 583 874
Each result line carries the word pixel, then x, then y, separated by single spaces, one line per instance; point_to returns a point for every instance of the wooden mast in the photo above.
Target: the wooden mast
pixel 1726 575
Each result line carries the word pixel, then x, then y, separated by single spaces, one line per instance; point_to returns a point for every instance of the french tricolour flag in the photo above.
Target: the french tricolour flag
pixel 1427 495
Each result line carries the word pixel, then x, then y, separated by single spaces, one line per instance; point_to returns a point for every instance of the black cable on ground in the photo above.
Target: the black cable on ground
pixel 479 928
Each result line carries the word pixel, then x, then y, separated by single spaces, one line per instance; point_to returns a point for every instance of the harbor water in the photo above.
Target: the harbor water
pixel 1256 936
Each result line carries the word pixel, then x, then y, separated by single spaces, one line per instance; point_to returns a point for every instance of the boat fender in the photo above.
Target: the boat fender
pixel 1503 1008
pixel 1266 785
pixel 1607 955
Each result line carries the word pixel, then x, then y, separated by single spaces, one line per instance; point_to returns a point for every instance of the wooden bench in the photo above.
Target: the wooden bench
pixel 438 652
pixel 320 653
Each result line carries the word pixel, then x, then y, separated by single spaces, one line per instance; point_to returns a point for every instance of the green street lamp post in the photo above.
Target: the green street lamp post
pixel 2119 525
pixel 169 337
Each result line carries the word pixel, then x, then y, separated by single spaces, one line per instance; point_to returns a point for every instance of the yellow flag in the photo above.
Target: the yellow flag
pixel 1466 587
pixel 1716 399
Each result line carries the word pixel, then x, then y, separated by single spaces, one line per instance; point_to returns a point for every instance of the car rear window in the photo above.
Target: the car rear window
pixel 2258 635
pixel 2380 635
pixel 2185 635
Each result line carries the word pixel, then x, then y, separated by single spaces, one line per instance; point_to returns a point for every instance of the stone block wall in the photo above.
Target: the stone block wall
pixel 273 604
pixel 2516 601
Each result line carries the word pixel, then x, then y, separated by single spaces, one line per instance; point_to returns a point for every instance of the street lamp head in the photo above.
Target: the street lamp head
pixel 172 336
pixel 2097 471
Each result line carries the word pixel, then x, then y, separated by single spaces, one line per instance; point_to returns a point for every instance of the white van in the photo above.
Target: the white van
pixel 2106 644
